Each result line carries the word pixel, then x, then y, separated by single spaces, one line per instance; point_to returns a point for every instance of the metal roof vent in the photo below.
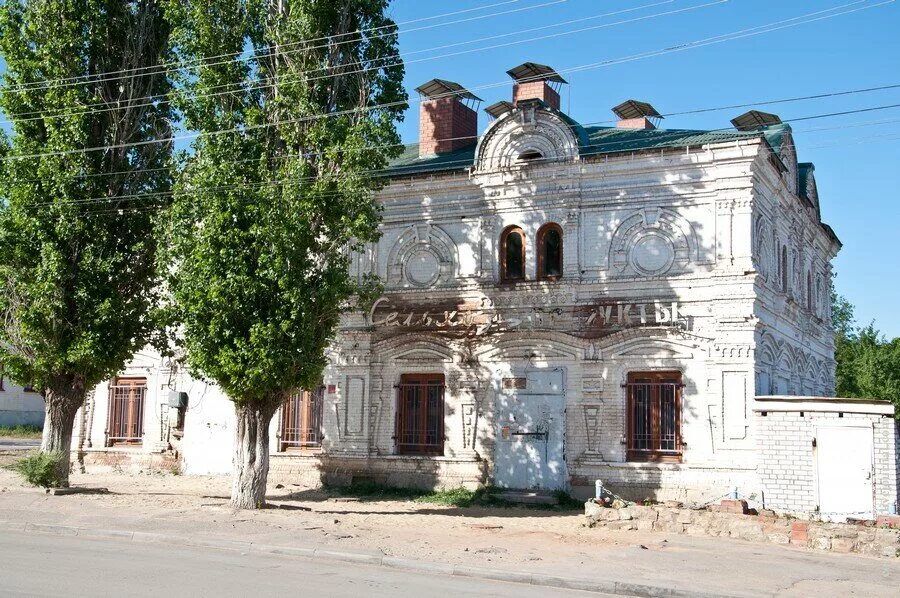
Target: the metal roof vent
pixel 635 109
pixel 532 71
pixel 754 119
pixel 441 88
pixel 636 115
pixel 498 109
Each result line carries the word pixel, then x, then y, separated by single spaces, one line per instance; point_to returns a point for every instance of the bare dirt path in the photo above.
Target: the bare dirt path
pixel 518 539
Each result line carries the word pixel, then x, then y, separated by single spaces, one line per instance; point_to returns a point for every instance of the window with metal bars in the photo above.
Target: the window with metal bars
pixel 653 422
pixel 125 416
pixel 301 420
pixel 420 415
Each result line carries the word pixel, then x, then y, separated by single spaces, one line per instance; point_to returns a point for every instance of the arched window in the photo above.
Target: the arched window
pixel 550 252
pixel 784 269
pixel 512 254
pixel 530 156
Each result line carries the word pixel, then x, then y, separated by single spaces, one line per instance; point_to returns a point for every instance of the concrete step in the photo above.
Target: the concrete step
pixel 528 497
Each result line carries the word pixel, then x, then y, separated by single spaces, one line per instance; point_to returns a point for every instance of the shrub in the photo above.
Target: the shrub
pixel 39 469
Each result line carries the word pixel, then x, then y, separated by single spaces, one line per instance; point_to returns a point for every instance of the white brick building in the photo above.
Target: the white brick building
pixel 562 303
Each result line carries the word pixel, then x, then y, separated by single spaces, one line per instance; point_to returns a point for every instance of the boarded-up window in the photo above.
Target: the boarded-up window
pixel 420 415
pixel 654 416
pixel 125 424
pixel 301 420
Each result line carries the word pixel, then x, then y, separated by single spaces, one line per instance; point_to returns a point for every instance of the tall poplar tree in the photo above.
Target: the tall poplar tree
pixel 276 193
pixel 77 242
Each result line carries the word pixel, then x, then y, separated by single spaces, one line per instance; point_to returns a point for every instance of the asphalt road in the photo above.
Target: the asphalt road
pixel 19 443
pixel 44 565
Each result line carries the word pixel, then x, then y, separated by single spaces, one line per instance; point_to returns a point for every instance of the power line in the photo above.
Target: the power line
pixel 758 30
pixel 78 79
pixel 667 135
pixel 239 87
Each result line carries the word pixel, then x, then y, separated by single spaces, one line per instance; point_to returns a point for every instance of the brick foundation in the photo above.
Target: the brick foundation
pixel 871 539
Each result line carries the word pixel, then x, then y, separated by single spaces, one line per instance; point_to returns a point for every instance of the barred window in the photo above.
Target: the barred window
pixel 420 415
pixel 301 420
pixel 654 416
pixel 125 416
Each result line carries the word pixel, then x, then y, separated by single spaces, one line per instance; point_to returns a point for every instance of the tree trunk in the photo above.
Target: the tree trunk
pixel 61 403
pixel 251 456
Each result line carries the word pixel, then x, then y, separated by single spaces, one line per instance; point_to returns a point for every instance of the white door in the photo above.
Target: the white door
pixel 844 466
pixel 530 441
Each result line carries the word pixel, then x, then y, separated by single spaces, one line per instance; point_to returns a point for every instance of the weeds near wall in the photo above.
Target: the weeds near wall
pixel 39 469
pixel 454 497
pixel 20 431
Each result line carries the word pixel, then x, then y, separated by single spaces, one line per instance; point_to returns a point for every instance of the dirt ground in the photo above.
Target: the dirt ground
pixel 547 542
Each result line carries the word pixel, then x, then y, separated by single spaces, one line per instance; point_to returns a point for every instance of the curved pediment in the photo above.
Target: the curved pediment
pixel 543 349
pixel 648 343
pixel 528 134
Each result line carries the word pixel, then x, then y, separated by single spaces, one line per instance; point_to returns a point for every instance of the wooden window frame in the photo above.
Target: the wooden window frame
pixel 504 275
pixel 134 419
pixel 655 380
pixel 541 238
pixel 424 382
pixel 307 413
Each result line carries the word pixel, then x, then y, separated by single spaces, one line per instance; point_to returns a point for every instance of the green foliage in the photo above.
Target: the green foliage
pixel 263 246
pixel 20 431
pixel 39 469
pixel 77 250
pixel 868 365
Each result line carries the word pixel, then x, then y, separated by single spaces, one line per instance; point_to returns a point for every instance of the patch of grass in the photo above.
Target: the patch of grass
pixel 39 469
pixel 454 497
pixel 20 431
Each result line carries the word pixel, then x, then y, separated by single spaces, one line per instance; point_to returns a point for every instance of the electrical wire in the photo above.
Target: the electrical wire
pixel 665 136
pixel 792 22
pixel 294 77
pixel 200 62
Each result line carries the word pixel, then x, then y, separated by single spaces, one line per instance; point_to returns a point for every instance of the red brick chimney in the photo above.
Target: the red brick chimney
pixel 448 120
pixel 536 82
pixel 636 115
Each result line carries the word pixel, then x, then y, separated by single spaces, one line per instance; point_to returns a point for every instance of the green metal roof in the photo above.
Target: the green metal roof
pixel 593 141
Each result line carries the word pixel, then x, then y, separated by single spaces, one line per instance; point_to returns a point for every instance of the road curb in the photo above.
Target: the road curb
pixel 569 583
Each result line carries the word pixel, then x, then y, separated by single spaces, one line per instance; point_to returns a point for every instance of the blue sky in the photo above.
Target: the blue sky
pixel 857 156
pixel 857 162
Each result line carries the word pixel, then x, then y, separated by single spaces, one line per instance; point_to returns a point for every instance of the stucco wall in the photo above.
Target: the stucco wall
pixel 20 407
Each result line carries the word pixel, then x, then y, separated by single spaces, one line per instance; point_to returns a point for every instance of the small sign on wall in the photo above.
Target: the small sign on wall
pixel 514 383
pixel 332 388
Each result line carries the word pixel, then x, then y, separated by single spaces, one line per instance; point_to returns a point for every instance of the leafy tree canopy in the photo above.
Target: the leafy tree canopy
pixel 77 248
pixel 267 214
pixel 868 365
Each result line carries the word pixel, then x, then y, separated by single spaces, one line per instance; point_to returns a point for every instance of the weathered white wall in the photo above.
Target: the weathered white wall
pixel 20 407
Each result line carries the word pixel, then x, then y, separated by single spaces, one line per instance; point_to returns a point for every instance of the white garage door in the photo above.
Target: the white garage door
pixel 844 465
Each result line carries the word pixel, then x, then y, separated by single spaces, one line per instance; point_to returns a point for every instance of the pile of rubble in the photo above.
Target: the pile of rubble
pixel 733 519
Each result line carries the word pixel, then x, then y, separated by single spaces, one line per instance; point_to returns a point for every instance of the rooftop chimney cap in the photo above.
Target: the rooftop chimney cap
pixel 532 71
pixel 498 109
pixel 635 109
pixel 754 119
pixel 441 88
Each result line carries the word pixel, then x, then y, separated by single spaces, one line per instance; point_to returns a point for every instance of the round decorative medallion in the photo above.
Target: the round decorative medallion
pixel 652 254
pixel 423 268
